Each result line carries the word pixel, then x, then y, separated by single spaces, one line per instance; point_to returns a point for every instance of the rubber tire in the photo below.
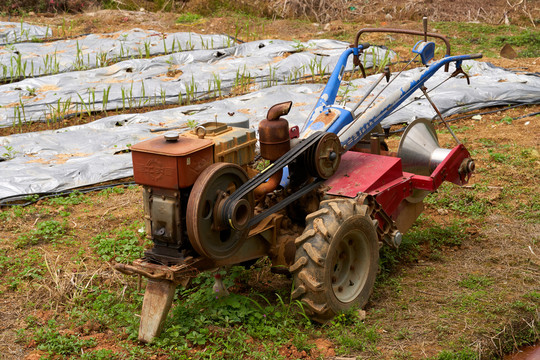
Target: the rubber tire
pixel 338 224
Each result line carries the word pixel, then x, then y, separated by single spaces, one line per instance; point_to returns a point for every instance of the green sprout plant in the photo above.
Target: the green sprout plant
pixel 9 152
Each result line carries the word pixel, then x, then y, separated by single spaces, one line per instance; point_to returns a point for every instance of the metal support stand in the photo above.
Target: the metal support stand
pixel 157 302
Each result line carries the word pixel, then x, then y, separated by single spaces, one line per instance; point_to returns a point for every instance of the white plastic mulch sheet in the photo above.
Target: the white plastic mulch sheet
pixel 51 161
pixel 12 32
pixel 173 79
pixel 96 50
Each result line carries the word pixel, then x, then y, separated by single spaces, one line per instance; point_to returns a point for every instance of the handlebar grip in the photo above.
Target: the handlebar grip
pixel 475 56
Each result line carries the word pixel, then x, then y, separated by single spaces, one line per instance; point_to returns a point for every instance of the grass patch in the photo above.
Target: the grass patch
pixel 352 334
pixel 464 354
pixel 526 39
pixel 476 282
pixel 424 238
pixel 489 39
pixel 188 18
pixel 463 201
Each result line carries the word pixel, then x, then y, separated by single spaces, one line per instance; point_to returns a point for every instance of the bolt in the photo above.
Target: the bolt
pixel 471 166
pixel 340 289
pixel 334 279
pixel 332 156
pixel 352 268
pixel 397 238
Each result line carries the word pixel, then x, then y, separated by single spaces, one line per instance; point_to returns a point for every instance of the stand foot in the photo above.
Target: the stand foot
pixel 157 302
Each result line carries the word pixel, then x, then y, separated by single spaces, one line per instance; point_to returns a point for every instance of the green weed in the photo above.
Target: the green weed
pixel 17 270
pixel 527 38
pixel 464 354
pixel 122 245
pixel 18 211
pixel 435 235
pixel 533 295
pixel 32 198
pixel 438 236
pixel 521 305
pixel 455 129
pixel 223 324
pixel 262 164
pixel 4 215
pixel 73 198
pixel 497 157
pixel 50 231
pixel 487 142
pixel 352 334
pixel 476 282
pixel 472 301
pixel 505 120
pixel 101 354
pixel 192 124
pixel 108 309
pixel 50 340
pixel 112 190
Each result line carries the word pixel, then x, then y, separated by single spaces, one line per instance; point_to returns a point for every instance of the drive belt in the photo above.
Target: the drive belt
pixel 288 200
pixel 251 184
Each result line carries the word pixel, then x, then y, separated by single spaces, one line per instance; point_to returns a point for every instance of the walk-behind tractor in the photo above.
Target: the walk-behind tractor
pixel 330 197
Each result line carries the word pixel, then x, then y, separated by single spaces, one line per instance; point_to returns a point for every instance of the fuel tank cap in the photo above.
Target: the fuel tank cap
pixel 171 136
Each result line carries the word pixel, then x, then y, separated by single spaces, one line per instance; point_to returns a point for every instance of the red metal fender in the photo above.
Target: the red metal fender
pixel 383 177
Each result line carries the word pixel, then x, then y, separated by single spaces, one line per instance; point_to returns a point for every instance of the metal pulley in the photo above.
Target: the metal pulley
pixel 323 159
pixel 206 232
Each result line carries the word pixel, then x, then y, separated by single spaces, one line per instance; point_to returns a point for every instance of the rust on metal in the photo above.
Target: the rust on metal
pixel 157 302
pixel 170 164
pixel 278 110
pixel 175 273
pixel 327 155
pixel 274 132
pixel 375 145
pixel 269 185
pixel 356 59
pixel 214 185
pixel 211 129
pixel 327 117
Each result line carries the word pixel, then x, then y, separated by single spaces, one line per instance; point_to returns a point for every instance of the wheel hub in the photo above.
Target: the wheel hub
pixel 350 266
pixel 324 159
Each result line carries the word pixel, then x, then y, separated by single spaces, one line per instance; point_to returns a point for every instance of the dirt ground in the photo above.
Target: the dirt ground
pixel 420 309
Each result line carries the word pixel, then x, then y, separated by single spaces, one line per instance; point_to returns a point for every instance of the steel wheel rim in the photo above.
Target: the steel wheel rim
pixel 350 266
